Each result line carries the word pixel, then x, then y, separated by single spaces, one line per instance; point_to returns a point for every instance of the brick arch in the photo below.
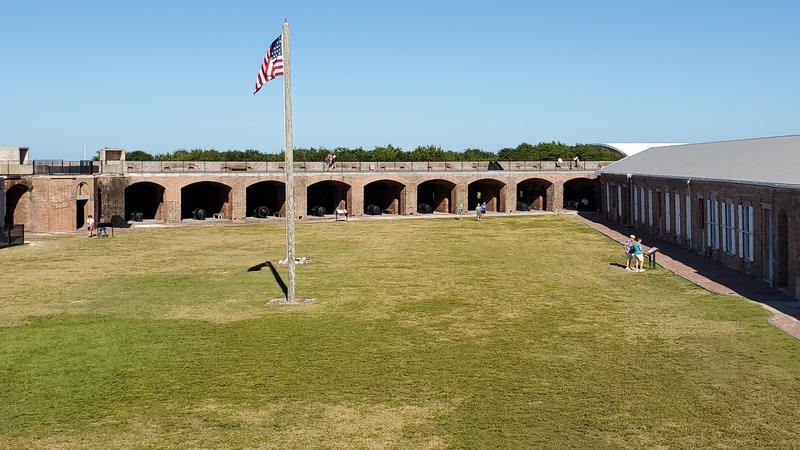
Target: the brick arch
pixel 18 205
pixel 270 194
pixel 582 193
pixel 145 198
pixel 439 194
pixel 389 196
pixel 487 190
pixel 329 195
pixel 82 191
pixel 212 196
pixel 535 194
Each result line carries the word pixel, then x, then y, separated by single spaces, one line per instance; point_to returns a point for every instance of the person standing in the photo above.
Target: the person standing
pixel 460 210
pixel 483 209
pixel 629 251
pixel 639 254
pixel 90 225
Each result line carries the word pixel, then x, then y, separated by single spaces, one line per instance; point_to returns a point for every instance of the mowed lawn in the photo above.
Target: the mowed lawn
pixel 513 332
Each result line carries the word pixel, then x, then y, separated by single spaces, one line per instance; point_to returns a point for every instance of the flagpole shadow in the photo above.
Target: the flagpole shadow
pixel 275 274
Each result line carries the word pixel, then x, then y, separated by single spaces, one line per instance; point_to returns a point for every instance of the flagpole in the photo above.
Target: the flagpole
pixel 289 167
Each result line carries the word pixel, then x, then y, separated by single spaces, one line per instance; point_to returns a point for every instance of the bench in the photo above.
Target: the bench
pixel 342 212
pixel 651 257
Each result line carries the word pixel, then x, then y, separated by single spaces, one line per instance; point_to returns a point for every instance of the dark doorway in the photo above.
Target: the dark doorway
pixel 582 194
pixel 211 197
pixel 144 198
pixel 17 198
pixel 80 213
pixel 386 195
pixel 435 196
pixel 486 191
pixel 535 194
pixel 266 194
pixel 325 197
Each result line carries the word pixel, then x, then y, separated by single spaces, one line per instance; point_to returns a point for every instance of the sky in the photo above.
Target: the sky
pixel 164 75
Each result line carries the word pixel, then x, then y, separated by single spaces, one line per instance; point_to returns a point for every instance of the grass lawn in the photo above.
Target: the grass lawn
pixel 513 332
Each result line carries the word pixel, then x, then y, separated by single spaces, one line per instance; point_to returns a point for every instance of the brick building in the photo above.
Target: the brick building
pixel 59 196
pixel 737 202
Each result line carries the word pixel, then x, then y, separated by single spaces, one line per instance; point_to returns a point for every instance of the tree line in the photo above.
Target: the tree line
pixel 544 151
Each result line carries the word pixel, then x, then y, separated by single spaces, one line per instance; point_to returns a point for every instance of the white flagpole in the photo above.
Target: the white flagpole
pixel 289 167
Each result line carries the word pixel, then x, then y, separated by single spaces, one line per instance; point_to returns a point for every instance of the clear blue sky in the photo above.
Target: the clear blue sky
pixel 164 75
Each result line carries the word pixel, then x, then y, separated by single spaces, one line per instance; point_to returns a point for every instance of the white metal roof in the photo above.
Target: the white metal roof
pixel 774 161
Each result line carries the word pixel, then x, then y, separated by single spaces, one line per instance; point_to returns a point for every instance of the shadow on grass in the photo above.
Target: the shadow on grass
pixel 275 274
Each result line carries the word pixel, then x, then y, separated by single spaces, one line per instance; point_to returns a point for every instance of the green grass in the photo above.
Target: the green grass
pixel 507 333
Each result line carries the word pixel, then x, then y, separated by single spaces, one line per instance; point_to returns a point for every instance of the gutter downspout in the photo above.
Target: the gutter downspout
pixel 691 223
pixel 630 200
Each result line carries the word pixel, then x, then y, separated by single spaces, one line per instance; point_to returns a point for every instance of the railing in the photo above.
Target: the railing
pixel 63 168
pixel 14 168
pixel 355 167
pixel 12 235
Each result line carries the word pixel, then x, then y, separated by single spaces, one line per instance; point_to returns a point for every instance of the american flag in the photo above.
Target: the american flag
pixel 272 66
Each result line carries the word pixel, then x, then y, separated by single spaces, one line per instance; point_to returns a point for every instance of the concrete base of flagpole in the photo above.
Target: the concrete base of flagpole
pixel 297 301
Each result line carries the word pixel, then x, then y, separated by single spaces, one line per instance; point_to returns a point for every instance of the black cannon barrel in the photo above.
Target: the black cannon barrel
pixel 424 208
pixel 199 214
pixel 261 212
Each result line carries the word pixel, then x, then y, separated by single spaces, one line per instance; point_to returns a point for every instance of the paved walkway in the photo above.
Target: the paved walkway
pixel 709 274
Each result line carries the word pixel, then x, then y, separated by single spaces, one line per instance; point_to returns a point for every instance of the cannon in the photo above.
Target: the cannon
pixel 199 214
pixel 424 208
pixel 261 212
pixel 373 210
pixel 318 211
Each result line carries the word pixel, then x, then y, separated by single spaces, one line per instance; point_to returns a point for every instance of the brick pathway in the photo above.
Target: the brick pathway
pixel 708 274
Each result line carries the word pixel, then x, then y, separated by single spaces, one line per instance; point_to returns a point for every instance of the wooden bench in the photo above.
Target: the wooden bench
pixel 341 212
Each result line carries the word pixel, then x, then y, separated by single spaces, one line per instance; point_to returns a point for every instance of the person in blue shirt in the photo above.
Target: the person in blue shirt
pixel 638 254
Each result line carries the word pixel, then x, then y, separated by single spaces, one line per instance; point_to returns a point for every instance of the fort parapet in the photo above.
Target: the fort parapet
pixel 59 196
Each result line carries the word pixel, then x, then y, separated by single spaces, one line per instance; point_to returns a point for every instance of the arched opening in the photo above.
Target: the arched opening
pixel 17 204
pixel 325 197
pixel 487 191
pixel 266 198
pixel 782 250
pixel 82 210
pixel 435 196
pixel 582 194
pixel 535 194
pixel 384 197
pixel 207 197
pixel 144 201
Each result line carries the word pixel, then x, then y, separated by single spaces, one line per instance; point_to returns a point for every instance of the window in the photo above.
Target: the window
pixel 608 197
pixel 712 212
pixel 689 218
pixel 635 204
pixel 677 214
pixel 746 232
pixel 667 219
pixel 728 233
pixel 650 207
pixel 619 201
pixel 641 203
